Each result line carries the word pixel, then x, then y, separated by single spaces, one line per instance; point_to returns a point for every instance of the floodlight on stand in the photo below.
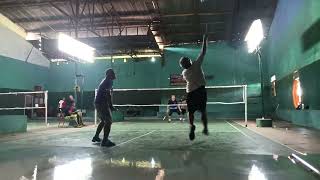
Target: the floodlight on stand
pixel 254 36
pixel 75 48
pixel 253 39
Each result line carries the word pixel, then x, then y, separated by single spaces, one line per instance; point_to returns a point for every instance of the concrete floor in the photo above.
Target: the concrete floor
pixel 151 150
pixel 299 138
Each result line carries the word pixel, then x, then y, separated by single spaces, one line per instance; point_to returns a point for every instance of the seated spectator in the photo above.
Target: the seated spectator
pixel 62 104
pixel 71 109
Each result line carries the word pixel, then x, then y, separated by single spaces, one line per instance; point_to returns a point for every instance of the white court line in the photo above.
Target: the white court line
pixel 275 141
pixel 305 163
pixel 154 130
pixel 135 138
pixel 240 131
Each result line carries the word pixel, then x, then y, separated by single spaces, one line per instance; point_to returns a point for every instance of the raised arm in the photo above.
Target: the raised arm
pixel 204 49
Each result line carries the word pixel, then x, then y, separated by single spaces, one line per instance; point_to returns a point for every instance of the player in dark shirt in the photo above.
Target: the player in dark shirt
pixel 173 107
pixel 104 107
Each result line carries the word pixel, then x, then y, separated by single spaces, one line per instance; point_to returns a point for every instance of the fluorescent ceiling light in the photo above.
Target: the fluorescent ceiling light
pixel 129 57
pixel 75 48
pixel 58 60
pixel 33 36
pixel 254 36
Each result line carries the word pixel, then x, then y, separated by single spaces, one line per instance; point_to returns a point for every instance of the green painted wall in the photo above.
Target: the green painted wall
pixel 228 65
pixel 142 73
pixel 21 68
pixel 293 45
pixel 16 74
pixel 286 38
pixel 13 123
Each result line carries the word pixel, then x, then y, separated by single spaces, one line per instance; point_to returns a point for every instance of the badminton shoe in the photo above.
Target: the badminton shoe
pixel 191 134
pixel 96 139
pixel 205 131
pixel 107 143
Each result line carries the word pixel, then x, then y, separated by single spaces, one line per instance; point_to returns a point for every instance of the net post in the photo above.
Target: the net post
pixel 46 107
pixel 32 104
pixel 245 105
pixel 25 104
pixel 95 110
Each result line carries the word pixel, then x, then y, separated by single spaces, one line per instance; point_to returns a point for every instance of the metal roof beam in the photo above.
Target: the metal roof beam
pixel 30 3
pixel 143 15
pixel 71 18
pixel 85 27
pixel 199 14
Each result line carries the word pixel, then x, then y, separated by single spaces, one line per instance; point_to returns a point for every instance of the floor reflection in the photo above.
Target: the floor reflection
pixel 151 164
pixel 80 169
pixel 112 162
pixel 256 174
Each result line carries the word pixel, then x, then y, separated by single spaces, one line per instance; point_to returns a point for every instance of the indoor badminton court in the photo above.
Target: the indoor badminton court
pixel 159 89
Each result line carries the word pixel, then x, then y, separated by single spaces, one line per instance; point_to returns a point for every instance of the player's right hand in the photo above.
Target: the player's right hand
pixel 113 108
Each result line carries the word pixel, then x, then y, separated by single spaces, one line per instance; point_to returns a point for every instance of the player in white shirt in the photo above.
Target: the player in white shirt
pixel 196 91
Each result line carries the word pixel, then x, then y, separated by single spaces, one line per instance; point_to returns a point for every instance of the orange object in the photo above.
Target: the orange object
pixel 296 97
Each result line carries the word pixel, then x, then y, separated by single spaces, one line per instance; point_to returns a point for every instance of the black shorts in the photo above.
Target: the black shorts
pixel 66 111
pixel 171 111
pixel 197 100
pixel 104 113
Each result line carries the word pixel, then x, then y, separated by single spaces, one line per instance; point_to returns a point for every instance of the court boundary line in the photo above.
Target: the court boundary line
pixel 138 137
pixel 305 163
pixel 275 141
pixel 240 131
pixel 153 130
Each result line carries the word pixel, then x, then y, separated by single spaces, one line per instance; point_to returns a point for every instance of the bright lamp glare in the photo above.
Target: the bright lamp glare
pixel 153 59
pixel 256 174
pixel 75 48
pixel 254 36
pixel 299 90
